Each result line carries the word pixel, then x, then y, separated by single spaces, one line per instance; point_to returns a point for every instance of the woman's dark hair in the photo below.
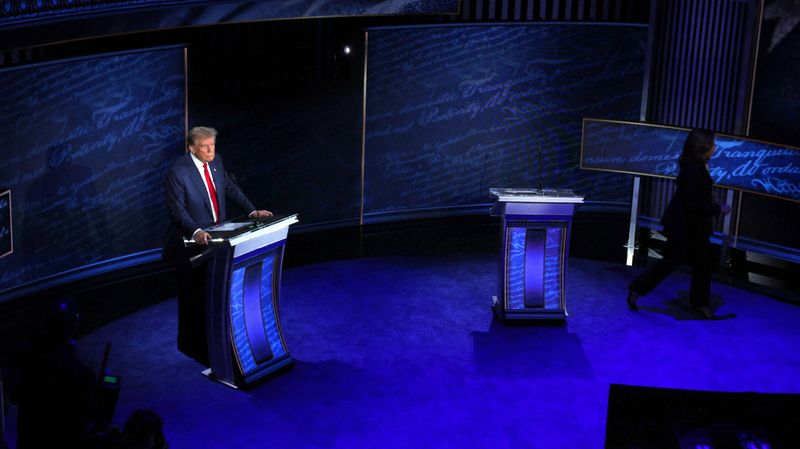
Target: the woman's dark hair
pixel 697 145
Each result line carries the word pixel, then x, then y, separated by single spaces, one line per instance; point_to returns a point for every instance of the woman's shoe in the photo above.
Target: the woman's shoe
pixel 632 298
pixel 705 311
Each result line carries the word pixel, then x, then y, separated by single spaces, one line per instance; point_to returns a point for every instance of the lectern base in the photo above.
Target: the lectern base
pixel 208 373
pixel 526 314
pixel 263 373
pixel 243 328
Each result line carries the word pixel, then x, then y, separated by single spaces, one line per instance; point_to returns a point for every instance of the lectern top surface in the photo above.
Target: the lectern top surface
pixel 231 226
pixel 536 195
pixel 243 225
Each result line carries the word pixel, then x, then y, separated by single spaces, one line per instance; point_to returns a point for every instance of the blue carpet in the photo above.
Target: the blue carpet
pixel 403 352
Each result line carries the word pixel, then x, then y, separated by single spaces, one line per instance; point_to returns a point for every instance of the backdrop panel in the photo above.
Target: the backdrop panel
pixel 738 163
pixel 452 111
pixel 86 144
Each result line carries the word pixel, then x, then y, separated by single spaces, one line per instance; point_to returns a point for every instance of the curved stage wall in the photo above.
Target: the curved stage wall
pixel 300 152
pixel 453 111
pixel 86 145
pixel 26 23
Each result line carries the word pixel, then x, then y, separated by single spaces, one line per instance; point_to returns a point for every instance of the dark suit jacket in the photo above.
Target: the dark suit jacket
pixel 187 198
pixel 690 212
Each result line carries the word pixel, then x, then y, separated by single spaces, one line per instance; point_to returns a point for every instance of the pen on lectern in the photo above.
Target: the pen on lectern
pixel 190 242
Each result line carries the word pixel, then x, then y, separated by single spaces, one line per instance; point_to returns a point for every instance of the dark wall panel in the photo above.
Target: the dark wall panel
pixel 295 154
pixel 289 116
pixel 699 72
pixel 588 10
pixel 86 144
pixel 774 117
pixel 776 96
pixel 453 111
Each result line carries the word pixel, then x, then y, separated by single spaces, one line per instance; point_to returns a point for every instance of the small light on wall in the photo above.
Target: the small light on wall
pixel 347 49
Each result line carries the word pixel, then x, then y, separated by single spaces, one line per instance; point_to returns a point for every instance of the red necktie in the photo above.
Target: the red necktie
pixel 211 191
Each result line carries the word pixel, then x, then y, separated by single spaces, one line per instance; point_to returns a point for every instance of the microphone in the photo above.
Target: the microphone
pixel 235 182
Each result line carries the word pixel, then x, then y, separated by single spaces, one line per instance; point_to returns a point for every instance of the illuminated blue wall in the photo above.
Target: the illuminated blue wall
pixel 452 111
pixel 86 145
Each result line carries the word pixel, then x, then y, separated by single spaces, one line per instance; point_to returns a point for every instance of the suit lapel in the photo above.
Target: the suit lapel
pixel 200 185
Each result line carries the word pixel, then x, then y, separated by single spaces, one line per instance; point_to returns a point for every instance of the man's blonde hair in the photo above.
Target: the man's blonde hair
pixel 199 133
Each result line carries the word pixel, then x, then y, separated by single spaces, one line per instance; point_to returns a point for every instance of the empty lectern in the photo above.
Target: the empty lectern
pixel 535 227
pixel 245 338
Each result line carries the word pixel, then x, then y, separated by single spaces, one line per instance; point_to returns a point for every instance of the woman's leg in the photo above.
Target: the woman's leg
pixel 700 291
pixel 650 278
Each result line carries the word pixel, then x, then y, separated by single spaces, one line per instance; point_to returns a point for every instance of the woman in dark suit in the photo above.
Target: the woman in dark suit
pixel 687 225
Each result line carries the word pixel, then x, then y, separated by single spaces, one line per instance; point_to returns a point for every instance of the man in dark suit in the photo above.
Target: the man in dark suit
pixel 197 189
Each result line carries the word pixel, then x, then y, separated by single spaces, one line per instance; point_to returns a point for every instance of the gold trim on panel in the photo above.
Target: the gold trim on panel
pixel 754 73
pixel 7 192
pixel 363 127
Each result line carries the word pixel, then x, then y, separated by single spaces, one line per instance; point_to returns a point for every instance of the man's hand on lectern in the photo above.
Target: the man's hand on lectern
pixel 202 238
pixel 260 214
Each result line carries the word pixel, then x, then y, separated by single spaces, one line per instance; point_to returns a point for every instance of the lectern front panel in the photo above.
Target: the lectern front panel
pixel 253 319
pixel 554 267
pixel 515 272
pixel 535 240
pixel 245 340
pixel 534 269
pixel 270 280
pixel 535 226
pixel 241 340
pixel 256 337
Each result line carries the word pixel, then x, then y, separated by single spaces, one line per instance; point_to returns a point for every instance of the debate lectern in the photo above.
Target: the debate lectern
pixel 535 226
pixel 243 327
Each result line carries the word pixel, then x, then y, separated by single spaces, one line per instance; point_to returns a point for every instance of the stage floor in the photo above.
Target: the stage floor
pixel 403 352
